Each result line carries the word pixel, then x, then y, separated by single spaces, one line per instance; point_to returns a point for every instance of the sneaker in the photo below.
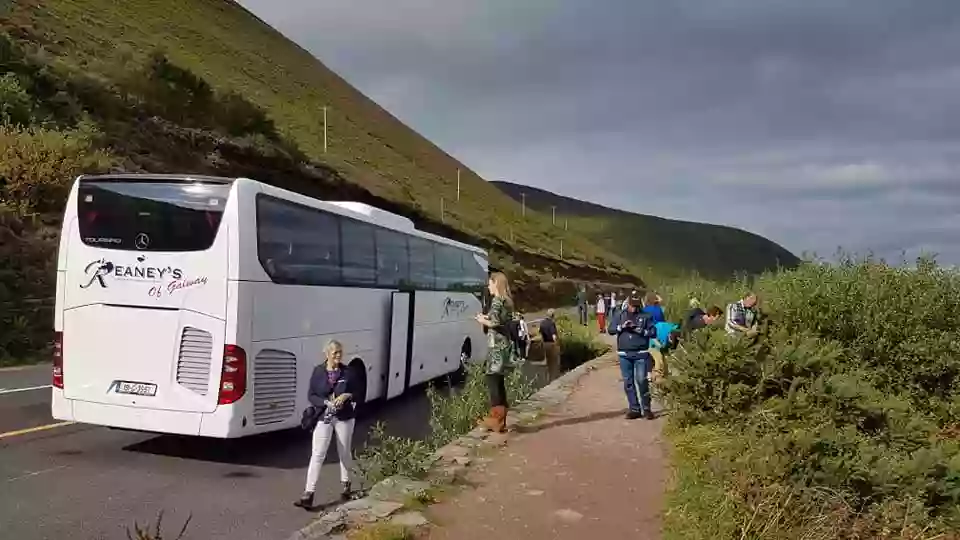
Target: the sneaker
pixel 346 493
pixel 649 415
pixel 306 501
pixel 633 415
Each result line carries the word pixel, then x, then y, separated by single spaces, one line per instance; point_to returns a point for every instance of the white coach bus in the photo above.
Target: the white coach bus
pixel 199 305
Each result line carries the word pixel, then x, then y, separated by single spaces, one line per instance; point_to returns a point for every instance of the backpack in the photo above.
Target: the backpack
pixel 511 330
pixel 614 319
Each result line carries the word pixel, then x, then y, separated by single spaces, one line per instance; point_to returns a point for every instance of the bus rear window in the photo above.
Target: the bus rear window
pixel 150 216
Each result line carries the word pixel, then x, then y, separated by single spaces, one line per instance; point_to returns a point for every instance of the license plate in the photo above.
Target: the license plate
pixel 136 388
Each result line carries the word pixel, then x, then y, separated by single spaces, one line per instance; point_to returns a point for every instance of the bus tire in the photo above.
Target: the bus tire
pixel 466 353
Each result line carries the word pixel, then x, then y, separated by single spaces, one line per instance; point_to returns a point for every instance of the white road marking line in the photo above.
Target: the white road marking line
pixel 36 473
pixel 27 389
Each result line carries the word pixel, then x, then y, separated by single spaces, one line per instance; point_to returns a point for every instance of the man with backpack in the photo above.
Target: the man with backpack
pixel 634 331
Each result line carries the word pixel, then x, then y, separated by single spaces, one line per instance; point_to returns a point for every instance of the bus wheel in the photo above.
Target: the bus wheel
pixel 359 370
pixel 466 352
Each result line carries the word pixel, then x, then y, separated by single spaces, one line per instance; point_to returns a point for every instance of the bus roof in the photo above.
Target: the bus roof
pixel 357 210
pixel 153 177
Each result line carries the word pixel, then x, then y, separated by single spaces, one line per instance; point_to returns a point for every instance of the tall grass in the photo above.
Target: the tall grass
pixel 839 422
pixel 455 411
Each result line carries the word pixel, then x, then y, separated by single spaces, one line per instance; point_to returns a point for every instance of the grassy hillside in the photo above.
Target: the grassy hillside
pixel 233 51
pixel 713 251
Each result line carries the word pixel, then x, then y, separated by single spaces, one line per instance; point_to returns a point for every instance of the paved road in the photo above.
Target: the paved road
pixel 84 482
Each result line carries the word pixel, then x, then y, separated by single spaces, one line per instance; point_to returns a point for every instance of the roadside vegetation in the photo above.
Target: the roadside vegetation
pixel 454 411
pixel 839 421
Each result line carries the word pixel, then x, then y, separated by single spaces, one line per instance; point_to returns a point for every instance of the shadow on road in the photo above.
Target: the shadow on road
pixel 406 416
pixel 569 421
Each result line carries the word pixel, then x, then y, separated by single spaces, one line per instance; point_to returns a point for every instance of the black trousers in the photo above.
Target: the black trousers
pixel 497 389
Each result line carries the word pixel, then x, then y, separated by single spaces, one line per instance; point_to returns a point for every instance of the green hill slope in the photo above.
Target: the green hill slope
pixel 232 51
pixel 666 245
pixel 205 87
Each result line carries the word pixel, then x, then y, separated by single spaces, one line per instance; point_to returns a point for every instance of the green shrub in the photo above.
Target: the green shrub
pixel 146 533
pixel 38 165
pixel 27 273
pixel 16 107
pixel 453 412
pixel 387 455
pixel 839 422
pixel 578 343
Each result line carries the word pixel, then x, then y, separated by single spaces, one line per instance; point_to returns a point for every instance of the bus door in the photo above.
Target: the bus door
pixel 401 343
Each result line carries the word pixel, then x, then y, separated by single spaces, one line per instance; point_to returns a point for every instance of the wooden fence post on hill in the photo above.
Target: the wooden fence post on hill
pixel 324 129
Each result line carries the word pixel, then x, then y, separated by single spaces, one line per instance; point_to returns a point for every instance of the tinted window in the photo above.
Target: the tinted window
pixel 449 267
pixel 474 274
pixel 150 216
pixel 421 263
pixel 393 262
pixel 358 256
pixel 298 244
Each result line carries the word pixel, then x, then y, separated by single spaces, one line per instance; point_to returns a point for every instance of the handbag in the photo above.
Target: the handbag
pixel 310 417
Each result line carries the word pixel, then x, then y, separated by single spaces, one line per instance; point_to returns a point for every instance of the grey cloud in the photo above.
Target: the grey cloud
pixel 835 121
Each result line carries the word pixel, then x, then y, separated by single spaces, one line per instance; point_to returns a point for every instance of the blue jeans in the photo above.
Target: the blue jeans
pixel 635 368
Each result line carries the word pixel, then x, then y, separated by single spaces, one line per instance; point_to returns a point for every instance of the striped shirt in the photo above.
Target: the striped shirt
pixel 740 315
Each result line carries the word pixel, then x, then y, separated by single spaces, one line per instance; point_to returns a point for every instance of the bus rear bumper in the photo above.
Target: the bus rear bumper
pixel 103 414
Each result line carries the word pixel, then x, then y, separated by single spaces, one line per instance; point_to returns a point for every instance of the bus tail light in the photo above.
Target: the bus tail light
pixel 58 359
pixel 233 377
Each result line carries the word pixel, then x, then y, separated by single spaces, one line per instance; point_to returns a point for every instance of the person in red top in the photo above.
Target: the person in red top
pixel 601 313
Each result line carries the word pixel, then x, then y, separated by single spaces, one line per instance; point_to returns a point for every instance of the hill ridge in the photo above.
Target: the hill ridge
pixel 727 250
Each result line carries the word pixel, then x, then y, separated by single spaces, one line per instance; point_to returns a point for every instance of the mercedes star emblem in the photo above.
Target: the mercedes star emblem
pixel 142 241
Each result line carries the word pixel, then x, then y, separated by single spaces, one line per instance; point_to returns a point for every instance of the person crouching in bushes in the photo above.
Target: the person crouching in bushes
pixel 634 331
pixel 667 339
pixel 698 319
pixel 332 392
pixel 501 352
pixel 743 317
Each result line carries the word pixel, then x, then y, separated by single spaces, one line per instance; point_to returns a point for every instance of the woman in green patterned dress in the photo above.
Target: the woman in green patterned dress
pixel 501 350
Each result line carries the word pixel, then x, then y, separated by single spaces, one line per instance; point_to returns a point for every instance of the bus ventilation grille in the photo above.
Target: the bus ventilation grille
pixel 274 386
pixel 193 364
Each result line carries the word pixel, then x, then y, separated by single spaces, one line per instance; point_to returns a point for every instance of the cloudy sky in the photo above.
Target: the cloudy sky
pixel 817 123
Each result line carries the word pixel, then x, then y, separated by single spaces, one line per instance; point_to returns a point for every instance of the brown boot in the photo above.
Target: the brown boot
pixel 490 422
pixel 500 417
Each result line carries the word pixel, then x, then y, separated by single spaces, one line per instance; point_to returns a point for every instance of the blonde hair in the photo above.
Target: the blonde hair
pixel 694 303
pixel 331 347
pixel 651 298
pixel 501 287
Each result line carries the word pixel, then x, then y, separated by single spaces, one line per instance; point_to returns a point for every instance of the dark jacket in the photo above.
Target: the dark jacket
pixel 320 390
pixel 693 320
pixel 635 338
pixel 548 330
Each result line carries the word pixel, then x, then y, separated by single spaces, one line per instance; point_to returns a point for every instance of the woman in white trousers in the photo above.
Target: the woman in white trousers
pixel 332 389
